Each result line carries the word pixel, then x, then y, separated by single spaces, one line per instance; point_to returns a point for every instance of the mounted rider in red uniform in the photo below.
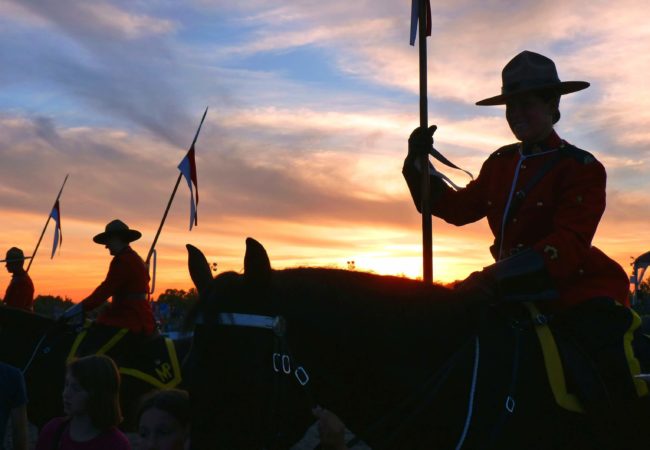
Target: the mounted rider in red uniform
pixel 127 282
pixel 20 292
pixel 543 199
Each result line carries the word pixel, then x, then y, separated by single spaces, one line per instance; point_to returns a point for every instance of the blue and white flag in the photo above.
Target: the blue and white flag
pixel 415 14
pixel 58 235
pixel 188 169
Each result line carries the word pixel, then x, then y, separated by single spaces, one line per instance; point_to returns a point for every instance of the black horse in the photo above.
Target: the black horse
pixel 406 366
pixel 41 346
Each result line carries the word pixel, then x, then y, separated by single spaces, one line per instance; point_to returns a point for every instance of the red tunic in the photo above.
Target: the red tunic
pixel 20 292
pixel 557 218
pixel 127 282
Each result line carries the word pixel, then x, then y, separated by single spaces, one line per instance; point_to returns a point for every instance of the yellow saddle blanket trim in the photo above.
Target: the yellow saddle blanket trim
pixel 635 367
pixel 103 349
pixel 555 370
pixel 553 364
pixel 167 374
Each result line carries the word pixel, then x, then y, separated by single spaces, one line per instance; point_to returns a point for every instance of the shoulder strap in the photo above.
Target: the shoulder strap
pixel 58 434
pixel 520 195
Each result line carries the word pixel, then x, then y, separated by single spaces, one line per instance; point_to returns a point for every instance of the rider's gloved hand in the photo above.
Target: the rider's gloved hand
pixel 521 277
pixel 420 142
pixel 73 314
pixel 480 287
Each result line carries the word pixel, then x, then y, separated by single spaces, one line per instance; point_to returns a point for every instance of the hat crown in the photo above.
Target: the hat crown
pixel 116 226
pixel 528 70
pixel 14 253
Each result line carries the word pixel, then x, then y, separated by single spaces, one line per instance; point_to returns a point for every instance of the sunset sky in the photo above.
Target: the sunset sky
pixel 311 103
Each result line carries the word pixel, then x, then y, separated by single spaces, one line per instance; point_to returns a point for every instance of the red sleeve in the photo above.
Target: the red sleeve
pixel 115 277
pixel 465 205
pixel 580 208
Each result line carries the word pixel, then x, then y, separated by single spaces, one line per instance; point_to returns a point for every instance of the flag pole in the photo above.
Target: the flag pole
pixel 171 198
pixel 425 205
pixel 46 224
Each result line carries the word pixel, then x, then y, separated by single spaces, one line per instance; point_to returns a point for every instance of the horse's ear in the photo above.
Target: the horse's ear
pixel 257 266
pixel 199 268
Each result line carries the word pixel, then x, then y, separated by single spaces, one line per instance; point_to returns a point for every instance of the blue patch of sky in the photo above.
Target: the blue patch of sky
pixel 314 66
pixel 34 101
pixel 198 29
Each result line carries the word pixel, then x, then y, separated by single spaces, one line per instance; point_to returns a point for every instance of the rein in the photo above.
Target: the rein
pixel 46 333
pixel 422 396
pixel 415 402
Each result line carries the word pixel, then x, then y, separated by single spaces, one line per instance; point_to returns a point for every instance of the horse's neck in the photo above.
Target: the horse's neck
pixel 365 338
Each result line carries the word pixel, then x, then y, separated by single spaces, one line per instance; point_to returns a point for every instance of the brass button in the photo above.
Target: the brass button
pixel 523 166
pixel 540 203
pixel 551 252
pixel 514 220
pixel 581 271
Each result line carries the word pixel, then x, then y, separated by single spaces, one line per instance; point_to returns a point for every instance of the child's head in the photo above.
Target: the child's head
pixel 92 387
pixel 164 420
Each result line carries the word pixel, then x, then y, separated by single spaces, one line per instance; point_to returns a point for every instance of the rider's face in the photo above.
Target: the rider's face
pixel 530 117
pixel 74 396
pixel 115 244
pixel 159 430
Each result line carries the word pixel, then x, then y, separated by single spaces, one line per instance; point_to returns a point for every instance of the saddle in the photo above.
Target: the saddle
pixel 575 380
pixel 151 359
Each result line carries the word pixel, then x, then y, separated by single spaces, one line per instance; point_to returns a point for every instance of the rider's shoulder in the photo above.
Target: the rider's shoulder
pixel 578 154
pixel 505 151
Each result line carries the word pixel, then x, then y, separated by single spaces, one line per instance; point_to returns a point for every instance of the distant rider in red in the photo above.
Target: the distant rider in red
pixel 127 282
pixel 20 292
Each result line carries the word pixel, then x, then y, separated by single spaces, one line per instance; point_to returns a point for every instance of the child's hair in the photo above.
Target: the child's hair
pixel 98 375
pixel 174 402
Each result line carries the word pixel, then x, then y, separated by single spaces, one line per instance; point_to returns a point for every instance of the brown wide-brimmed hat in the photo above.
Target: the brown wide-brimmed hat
pixel 117 228
pixel 14 254
pixel 530 71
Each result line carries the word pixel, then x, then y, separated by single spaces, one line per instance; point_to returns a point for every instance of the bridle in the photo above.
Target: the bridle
pixel 285 366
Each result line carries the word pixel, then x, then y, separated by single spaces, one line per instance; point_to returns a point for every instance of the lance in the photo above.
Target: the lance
pixel 171 198
pixel 425 205
pixel 46 224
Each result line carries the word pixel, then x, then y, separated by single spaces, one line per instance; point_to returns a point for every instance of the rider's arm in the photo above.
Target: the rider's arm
pixel 18 405
pixel 114 280
pixel 331 430
pixel 19 427
pixel 460 207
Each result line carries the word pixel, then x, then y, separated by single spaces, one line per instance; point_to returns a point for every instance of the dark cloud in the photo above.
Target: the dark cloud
pixel 129 79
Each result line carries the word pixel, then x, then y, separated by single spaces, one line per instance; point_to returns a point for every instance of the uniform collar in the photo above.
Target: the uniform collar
pixel 550 143
pixel 124 251
pixel 18 274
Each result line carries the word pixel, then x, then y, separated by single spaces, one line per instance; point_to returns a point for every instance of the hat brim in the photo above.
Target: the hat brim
pixel 15 259
pixel 562 88
pixel 127 235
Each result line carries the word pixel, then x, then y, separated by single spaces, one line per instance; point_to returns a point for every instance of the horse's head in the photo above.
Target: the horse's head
pixel 362 340
pixel 237 395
